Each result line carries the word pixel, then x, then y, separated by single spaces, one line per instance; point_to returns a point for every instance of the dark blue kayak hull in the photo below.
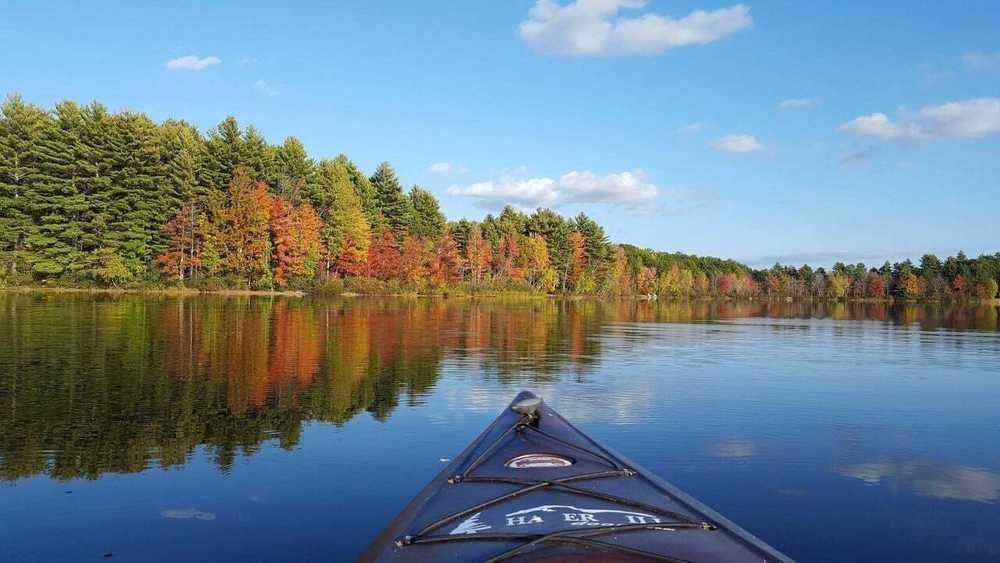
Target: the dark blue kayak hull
pixel 533 487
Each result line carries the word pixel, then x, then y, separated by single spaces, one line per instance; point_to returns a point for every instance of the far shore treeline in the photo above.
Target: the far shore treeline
pixel 92 198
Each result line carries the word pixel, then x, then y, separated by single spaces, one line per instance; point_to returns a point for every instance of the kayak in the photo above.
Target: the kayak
pixel 533 487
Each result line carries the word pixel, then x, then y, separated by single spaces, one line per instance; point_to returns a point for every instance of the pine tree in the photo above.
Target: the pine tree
pixel 54 201
pixel 138 200
pixel 258 157
pixel 556 232
pixel 596 242
pixel 21 129
pixel 224 149
pixel 426 219
pixel 390 201
pixel 294 170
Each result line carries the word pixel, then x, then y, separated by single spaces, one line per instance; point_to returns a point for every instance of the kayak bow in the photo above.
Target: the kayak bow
pixel 532 486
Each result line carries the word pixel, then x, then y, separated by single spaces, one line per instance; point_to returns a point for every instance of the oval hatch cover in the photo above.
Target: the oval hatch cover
pixel 532 461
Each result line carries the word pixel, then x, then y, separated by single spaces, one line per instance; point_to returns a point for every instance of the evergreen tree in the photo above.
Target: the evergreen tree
pixel 55 203
pixel 596 244
pixel 182 153
pixel 426 219
pixel 21 128
pixel 224 151
pixel 258 157
pixel 556 232
pixel 294 170
pixel 138 200
pixel 390 201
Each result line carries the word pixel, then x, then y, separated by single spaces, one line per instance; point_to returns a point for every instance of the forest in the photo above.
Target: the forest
pixel 95 198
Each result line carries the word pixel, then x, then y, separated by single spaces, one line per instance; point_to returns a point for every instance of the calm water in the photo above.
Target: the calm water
pixel 286 429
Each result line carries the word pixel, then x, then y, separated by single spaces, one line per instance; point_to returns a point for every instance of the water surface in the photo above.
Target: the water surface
pixel 265 428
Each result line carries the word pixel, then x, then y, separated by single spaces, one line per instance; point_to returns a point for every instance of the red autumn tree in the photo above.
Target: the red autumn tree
pixel 446 267
pixel 384 257
pixel 877 287
pixel 182 255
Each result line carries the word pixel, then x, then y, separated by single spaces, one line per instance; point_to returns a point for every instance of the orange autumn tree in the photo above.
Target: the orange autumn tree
pixel 478 254
pixel 297 237
pixel 413 259
pixel 244 230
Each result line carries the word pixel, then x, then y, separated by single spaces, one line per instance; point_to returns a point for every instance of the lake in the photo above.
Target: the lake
pixel 143 427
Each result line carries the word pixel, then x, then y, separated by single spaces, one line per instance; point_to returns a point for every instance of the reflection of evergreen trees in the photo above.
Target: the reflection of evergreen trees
pixel 96 384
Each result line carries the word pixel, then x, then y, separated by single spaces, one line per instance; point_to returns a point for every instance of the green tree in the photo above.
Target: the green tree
pixel 556 232
pixel 596 243
pixel 21 129
pixel 390 201
pixel 294 170
pixel 426 219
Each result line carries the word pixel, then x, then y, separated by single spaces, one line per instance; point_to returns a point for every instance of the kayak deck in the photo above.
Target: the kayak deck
pixel 532 486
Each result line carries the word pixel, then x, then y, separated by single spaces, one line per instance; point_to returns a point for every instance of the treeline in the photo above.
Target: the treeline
pixel 90 197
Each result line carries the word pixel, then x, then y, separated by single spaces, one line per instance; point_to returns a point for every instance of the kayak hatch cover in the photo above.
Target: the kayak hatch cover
pixel 533 487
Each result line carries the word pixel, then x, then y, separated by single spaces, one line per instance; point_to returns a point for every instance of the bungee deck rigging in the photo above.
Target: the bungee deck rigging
pixel 597 504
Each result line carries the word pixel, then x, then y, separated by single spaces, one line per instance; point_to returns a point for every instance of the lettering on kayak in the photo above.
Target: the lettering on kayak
pixel 522 520
pixel 576 516
pixel 470 525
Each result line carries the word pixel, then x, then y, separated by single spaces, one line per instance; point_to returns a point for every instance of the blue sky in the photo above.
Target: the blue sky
pixel 663 120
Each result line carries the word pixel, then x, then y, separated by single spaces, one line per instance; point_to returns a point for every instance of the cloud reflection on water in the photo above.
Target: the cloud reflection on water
pixel 930 479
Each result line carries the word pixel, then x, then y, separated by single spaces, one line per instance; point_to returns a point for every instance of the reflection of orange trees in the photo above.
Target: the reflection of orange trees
pixel 118 383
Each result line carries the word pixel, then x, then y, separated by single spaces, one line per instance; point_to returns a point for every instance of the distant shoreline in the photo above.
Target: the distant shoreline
pixel 180 292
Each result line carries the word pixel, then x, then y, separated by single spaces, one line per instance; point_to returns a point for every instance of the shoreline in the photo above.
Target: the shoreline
pixel 185 292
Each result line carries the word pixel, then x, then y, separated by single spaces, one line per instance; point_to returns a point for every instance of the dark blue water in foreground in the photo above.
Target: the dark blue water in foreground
pixel 211 428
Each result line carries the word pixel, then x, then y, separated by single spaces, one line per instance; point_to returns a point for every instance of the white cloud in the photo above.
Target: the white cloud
pixel 440 167
pixel 967 119
pixel 192 62
pixel 977 60
pixel 739 143
pixel 875 125
pixel 628 188
pixel 593 28
pixel 798 103
pixel 265 88
pixel 963 120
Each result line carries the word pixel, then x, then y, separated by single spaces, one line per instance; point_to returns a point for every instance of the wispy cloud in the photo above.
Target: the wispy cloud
pixel 859 156
pixel 192 62
pixel 629 188
pixel 798 103
pixel 265 88
pixel 978 60
pixel 737 143
pixel 440 167
pixel 595 28
pixel 692 128
pixel 967 119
